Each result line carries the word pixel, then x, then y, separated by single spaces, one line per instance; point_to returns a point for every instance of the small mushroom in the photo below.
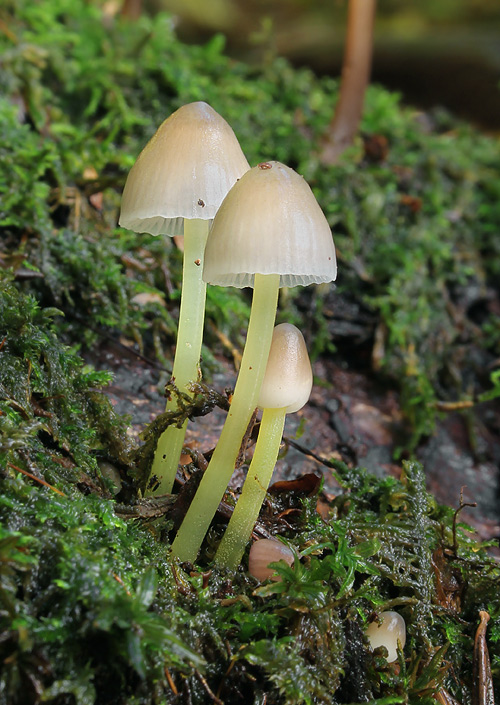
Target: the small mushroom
pixel 269 232
pixel 176 186
pixel 266 551
pixel 387 631
pixel 286 388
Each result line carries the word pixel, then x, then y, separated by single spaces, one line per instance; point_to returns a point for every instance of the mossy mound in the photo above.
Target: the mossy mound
pixel 95 611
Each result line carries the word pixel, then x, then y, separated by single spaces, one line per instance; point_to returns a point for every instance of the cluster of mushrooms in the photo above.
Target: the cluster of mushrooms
pixel 257 227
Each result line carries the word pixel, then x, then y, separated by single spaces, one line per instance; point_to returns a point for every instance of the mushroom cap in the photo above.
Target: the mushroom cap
pixel 266 551
pixel 184 171
pixel 288 378
pixel 390 630
pixel 270 223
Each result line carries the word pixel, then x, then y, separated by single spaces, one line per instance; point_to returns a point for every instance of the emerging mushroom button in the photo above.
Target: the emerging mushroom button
pixel 288 378
pixel 388 631
pixel 270 223
pixel 285 388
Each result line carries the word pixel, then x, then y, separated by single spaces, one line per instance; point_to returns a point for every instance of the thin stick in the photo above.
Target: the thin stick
pixel 210 692
pixel 37 479
pixel 170 681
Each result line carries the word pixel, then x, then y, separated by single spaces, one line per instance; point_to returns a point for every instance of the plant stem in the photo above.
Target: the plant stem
pixel 187 353
pixel 218 473
pixel 254 489
pixel 355 76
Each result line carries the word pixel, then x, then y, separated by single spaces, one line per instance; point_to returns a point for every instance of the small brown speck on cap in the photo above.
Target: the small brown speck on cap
pixel 265 165
pixel 201 203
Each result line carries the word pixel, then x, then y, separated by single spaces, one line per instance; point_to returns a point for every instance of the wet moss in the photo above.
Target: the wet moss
pixel 94 609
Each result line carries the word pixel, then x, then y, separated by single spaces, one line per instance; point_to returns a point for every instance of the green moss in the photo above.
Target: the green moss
pixel 83 94
pixel 93 610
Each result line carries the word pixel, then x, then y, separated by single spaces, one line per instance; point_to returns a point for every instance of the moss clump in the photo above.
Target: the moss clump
pixel 93 610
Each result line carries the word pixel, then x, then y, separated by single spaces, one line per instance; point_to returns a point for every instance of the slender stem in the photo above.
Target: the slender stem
pixel 187 353
pixel 218 473
pixel 254 490
pixel 355 76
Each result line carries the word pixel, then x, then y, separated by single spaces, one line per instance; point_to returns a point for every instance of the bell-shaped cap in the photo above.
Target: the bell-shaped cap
pixel 270 223
pixel 288 378
pixel 387 632
pixel 184 171
pixel 266 551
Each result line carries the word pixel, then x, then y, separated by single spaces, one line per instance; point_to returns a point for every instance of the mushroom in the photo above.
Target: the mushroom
pixel 286 388
pixel 388 631
pixel 269 232
pixel 266 551
pixel 176 186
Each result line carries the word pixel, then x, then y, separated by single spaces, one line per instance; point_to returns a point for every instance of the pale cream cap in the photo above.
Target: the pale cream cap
pixel 184 171
pixel 270 223
pixel 387 632
pixel 288 378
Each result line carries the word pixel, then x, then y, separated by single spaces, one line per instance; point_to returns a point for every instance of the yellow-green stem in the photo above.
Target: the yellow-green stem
pixel 254 490
pixel 187 353
pixel 218 473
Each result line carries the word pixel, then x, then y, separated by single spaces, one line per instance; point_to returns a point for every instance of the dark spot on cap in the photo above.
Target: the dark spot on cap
pixel 201 203
pixel 265 165
pixel 197 262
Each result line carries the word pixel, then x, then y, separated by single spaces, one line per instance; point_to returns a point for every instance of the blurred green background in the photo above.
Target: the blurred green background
pixel 435 52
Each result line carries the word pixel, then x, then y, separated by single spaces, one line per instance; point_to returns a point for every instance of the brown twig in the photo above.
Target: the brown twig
pixel 37 479
pixel 461 506
pixel 170 681
pixel 235 353
pixel 120 581
pixel 351 453
pixel 209 691
pixel 449 406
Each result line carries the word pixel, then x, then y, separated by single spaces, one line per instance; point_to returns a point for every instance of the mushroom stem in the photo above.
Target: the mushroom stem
pixel 254 490
pixel 355 77
pixel 187 353
pixel 218 473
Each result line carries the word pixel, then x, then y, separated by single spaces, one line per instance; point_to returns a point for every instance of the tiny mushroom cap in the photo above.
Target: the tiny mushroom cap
pixel 184 171
pixel 266 551
pixel 288 378
pixel 390 629
pixel 270 223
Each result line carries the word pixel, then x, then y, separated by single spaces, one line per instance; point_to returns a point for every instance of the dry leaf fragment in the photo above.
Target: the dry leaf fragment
pixel 482 681
pixel 445 698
